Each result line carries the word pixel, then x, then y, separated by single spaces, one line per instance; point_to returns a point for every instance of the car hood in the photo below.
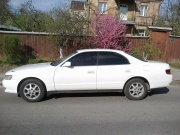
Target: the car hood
pixel 31 67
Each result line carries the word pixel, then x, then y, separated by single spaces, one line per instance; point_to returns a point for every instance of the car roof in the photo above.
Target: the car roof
pixel 96 50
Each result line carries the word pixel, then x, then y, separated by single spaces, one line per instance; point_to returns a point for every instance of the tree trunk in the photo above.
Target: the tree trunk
pixel 61 52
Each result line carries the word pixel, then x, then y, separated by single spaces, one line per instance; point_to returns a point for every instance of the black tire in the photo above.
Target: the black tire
pixel 32 90
pixel 135 89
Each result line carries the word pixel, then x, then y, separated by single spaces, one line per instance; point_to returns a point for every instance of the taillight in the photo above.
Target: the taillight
pixel 168 71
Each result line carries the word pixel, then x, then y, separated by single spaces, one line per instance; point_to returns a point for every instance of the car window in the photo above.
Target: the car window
pixel 84 59
pixel 111 58
pixel 61 60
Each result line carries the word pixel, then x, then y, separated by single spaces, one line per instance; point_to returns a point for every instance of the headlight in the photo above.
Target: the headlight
pixel 8 77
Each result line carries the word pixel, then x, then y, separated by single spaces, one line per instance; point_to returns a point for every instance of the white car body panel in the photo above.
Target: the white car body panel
pixel 75 78
pixel 113 77
pixel 62 78
pixel 43 71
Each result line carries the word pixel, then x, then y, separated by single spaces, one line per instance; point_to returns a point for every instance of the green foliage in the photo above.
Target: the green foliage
pixel 67 25
pixel 37 60
pixel 28 18
pixel 148 51
pixel 5 12
pixel 132 16
pixel 11 48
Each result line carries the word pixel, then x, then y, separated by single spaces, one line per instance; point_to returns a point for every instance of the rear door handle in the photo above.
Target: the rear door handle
pixel 91 72
pixel 127 71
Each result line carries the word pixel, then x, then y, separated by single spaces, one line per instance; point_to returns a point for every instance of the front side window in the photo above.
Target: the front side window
pixel 102 7
pixel 111 58
pixel 84 59
pixel 143 10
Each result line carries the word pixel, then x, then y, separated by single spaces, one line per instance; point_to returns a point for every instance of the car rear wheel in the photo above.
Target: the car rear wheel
pixel 32 90
pixel 135 89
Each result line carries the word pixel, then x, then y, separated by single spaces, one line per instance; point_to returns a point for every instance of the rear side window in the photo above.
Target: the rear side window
pixel 111 58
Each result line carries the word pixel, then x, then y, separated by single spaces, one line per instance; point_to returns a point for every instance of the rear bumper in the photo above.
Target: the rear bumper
pixel 164 82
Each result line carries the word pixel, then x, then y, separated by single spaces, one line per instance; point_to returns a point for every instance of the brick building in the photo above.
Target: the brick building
pixel 136 14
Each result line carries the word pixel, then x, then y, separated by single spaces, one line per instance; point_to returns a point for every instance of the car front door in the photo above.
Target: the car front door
pixel 81 75
pixel 113 71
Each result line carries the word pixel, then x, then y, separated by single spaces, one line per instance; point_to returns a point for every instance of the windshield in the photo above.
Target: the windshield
pixel 61 60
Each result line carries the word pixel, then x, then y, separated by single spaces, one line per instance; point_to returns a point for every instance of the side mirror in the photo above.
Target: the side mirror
pixel 67 64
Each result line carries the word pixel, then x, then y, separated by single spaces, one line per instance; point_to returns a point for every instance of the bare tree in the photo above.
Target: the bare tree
pixel 170 15
pixel 67 26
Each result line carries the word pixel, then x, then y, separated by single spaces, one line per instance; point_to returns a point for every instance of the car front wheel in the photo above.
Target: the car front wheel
pixel 32 90
pixel 135 89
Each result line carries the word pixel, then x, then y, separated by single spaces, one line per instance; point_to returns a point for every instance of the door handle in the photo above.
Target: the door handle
pixel 91 72
pixel 127 71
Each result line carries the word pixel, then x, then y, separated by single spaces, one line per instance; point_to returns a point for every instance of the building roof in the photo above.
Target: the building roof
pixel 9 28
pixel 147 0
pixel 160 28
pixel 77 5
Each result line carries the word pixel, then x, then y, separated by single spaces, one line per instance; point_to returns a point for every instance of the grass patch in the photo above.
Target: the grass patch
pixel 37 60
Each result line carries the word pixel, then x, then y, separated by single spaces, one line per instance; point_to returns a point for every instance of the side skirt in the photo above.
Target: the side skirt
pixel 83 91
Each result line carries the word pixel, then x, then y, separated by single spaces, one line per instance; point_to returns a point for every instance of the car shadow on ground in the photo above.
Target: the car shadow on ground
pixel 107 94
pixel 158 91
pixel 75 95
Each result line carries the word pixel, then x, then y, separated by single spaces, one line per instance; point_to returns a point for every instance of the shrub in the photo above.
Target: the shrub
pixel 37 60
pixel 11 49
pixel 110 33
pixel 148 51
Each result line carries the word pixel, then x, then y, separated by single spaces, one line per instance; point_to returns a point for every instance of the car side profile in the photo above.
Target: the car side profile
pixel 89 70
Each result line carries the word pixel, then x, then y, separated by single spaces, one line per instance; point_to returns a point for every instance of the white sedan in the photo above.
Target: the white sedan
pixel 89 70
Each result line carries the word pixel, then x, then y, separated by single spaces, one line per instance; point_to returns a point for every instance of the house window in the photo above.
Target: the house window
pixel 123 12
pixel 143 10
pixel 142 32
pixel 102 7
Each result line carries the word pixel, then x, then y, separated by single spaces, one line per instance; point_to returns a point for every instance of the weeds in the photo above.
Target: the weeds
pixel 175 64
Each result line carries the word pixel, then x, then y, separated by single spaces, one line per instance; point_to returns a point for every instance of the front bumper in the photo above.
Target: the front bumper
pixel 10 85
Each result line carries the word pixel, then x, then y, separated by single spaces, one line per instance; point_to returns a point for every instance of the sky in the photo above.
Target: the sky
pixel 44 5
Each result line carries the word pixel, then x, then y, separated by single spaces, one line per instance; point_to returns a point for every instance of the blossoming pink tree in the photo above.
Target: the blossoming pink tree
pixel 110 33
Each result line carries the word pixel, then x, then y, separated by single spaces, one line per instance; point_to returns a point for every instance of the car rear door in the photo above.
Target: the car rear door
pixel 113 70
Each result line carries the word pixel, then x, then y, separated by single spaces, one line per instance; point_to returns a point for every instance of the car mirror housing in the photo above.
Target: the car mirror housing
pixel 67 64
